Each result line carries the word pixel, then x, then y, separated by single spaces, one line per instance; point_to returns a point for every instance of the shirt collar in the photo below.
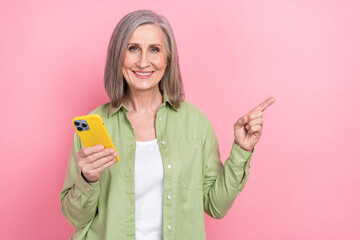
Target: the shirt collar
pixel 113 110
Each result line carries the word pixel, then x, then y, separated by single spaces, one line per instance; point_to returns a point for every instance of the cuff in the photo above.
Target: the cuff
pixel 84 187
pixel 240 156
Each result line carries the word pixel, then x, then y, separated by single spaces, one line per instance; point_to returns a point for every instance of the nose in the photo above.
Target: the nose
pixel 143 60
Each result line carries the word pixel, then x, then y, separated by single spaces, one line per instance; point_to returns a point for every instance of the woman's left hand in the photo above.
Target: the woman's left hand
pixel 248 129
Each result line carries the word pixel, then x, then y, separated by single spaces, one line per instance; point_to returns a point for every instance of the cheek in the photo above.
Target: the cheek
pixel 160 63
pixel 129 61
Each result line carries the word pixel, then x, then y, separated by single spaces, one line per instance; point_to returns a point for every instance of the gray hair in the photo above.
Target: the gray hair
pixel 115 84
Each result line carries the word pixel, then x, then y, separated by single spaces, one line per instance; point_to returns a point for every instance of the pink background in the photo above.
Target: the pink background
pixel 304 177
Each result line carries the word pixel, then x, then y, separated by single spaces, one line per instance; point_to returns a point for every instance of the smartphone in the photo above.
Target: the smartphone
pixel 92 131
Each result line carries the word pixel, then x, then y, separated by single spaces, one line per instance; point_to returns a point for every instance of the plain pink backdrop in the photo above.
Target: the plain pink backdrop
pixel 304 178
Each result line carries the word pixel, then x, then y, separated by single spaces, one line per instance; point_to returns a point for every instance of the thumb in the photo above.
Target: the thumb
pixel 242 121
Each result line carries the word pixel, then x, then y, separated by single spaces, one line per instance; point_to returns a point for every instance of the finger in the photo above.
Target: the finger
pixel 242 121
pixel 255 115
pixel 102 161
pixel 106 164
pixel 255 128
pixel 266 103
pixel 84 152
pixel 257 121
pixel 96 156
pixel 262 106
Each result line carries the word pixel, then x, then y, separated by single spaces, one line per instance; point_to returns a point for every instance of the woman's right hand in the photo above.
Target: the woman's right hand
pixel 94 160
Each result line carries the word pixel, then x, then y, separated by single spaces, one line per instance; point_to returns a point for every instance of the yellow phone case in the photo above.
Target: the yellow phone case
pixel 92 131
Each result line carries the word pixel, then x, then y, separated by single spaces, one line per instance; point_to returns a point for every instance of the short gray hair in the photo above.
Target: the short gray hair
pixel 115 84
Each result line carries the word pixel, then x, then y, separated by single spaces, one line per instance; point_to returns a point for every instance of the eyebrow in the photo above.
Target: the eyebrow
pixel 151 45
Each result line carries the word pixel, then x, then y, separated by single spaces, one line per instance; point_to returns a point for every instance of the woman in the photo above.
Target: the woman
pixel 169 170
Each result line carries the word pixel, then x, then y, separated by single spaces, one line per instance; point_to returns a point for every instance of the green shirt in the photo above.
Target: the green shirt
pixel 194 176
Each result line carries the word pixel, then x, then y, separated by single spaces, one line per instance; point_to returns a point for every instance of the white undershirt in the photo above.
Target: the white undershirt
pixel 149 189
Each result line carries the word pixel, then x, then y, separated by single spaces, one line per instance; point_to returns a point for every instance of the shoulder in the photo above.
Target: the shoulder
pixel 188 108
pixel 193 122
pixel 102 110
pixel 193 113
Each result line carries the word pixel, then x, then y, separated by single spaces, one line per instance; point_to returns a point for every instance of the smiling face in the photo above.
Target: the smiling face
pixel 145 58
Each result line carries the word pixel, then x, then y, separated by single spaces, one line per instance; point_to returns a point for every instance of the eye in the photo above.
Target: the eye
pixel 133 49
pixel 155 50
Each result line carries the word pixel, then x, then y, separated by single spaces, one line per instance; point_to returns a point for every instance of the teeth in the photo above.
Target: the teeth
pixel 143 74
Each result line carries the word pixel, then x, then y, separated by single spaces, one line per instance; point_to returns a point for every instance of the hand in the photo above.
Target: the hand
pixel 94 160
pixel 248 129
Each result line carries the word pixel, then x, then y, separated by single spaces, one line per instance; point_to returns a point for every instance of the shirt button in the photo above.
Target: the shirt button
pixel 169 166
pixel 163 142
pixel 169 226
pixel 169 197
pixel 88 189
pixel 160 118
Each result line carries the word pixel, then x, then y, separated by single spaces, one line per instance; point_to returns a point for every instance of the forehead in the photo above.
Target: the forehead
pixel 148 34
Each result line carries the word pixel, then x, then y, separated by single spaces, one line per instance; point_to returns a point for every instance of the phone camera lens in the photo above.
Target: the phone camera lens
pixel 84 125
pixel 79 128
pixel 77 123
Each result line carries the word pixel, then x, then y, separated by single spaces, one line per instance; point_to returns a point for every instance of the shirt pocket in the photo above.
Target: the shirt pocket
pixel 191 161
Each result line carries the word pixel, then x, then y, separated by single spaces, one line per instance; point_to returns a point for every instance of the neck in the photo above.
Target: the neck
pixel 143 102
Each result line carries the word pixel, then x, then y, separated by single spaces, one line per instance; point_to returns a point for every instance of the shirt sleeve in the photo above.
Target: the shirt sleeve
pixel 222 183
pixel 79 199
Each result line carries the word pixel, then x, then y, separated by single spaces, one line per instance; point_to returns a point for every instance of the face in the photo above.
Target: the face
pixel 145 58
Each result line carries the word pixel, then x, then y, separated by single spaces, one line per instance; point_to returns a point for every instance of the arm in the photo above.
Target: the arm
pixel 79 199
pixel 221 183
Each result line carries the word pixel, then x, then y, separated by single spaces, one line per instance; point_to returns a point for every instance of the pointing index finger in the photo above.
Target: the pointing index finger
pixel 266 103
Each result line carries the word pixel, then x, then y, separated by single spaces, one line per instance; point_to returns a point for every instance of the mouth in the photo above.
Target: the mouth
pixel 142 74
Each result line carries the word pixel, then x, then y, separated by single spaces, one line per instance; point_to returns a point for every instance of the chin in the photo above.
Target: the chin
pixel 144 87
